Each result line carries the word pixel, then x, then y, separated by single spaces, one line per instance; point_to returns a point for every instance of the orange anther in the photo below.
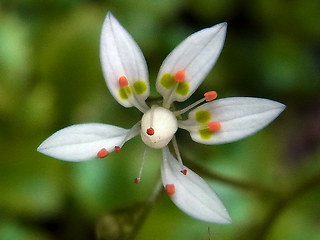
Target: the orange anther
pixel 170 189
pixel 102 153
pixel 137 180
pixel 123 81
pixel 180 76
pixel 117 149
pixel 214 126
pixel 184 171
pixel 150 131
pixel 210 96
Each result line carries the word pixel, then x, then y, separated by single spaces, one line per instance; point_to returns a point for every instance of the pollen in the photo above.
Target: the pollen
pixel 123 82
pixel 137 180
pixel 170 189
pixel 210 95
pixel 214 126
pixel 150 131
pixel 102 153
pixel 180 76
pixel 184 171
pixel 117 149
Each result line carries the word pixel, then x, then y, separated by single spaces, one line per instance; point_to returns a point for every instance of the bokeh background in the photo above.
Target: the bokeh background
pixel 50 77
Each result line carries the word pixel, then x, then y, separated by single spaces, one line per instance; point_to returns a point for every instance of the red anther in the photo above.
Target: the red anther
pixel 210 95
pixel 102 153
pixel 123 81
pixel 117 149
pixel 170 189
pixel 137 180
pixel 184 171
pixel 150 131
pixel 214 126
pixel 180 76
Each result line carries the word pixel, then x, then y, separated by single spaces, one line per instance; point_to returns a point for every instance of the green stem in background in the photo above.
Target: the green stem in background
pixel 124 223
pixel 154 196
pixel 248 186
pixel 283 203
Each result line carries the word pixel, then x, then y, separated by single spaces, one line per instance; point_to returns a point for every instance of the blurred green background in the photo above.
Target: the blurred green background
pixel 50 77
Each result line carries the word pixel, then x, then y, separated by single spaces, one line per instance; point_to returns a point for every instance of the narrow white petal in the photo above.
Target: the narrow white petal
pixel 121 56
pixel 83 141
pixel 192 194
pixel 196 55
pixel 239 117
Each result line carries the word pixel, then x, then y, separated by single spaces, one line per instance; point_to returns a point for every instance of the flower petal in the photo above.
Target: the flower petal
pixel 83 141
pixel 238 117
pixel 191 193
pixel 123 65
pixel 194 57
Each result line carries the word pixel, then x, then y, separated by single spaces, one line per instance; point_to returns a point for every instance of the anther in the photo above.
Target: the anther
pixel 137 180
pixel 180 76
pixel 117 149
pixel 123 81
pixel 170 189
pixel 210 96
pixel 150 131
pixel 214 126
pixel 102 153
pixel 184 171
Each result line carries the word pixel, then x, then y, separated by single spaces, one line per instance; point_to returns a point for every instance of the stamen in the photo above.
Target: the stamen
pixel 180 76
pixel 210 95
pixel 214 126
pixel 176 149
pixel 131 133
pixel 150 131
pixel 102 153
pixel 184 171
pixel 123 81
pixel 138 179
pixel 170 189
pixel 117 149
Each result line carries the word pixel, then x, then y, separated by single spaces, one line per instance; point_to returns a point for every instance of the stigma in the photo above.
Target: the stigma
pixel 158 125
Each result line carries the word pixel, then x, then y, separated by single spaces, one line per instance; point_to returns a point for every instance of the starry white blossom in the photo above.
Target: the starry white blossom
pixel 215 122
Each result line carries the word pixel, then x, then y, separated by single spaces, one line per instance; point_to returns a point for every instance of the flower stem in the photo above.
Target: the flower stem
pixel 150 202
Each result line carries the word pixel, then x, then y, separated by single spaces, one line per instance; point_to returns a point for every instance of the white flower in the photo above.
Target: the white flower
pixel 215 122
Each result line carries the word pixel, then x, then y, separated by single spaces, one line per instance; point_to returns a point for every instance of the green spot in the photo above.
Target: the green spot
pixel 167 81
pixel 183 89
pixel 203 116
pixel 139 87
pixel 205 133
pixel 125 93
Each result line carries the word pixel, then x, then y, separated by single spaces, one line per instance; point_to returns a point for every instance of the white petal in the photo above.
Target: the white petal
pixel 196 55
pixel 192 194
pixel 83 141
pixel 121 56
pixel 239 117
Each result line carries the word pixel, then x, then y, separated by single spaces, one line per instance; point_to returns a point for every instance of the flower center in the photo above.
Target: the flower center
pixel 158 125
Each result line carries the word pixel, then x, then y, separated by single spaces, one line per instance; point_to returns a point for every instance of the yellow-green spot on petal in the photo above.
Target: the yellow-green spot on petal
pixel 125 93
pixel 167 81
pixel 139 87
pixel 183 88
pixel 203 116
pixel 205 133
